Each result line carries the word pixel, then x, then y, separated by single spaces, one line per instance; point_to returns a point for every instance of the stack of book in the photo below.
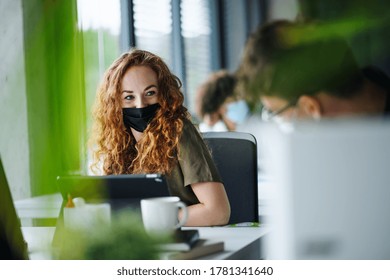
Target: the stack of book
pixel 188 245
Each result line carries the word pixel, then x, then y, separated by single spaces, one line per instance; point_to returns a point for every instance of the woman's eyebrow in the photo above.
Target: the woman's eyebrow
pixel 149 87
pixel 130 91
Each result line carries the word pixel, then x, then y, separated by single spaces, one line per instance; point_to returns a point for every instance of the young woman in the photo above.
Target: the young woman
pixel 141 126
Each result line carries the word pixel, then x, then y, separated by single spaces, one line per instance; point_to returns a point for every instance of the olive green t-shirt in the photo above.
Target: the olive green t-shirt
pixel 195 165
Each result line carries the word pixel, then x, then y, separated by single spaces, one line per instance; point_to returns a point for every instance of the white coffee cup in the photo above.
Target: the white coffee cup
pixel 160 214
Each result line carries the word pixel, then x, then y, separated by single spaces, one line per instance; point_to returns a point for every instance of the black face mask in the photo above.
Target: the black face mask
pixel 139 118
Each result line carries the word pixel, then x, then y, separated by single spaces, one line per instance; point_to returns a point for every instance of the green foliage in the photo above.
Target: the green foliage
pixel 63 69
pixel 54 86
pixel 125 239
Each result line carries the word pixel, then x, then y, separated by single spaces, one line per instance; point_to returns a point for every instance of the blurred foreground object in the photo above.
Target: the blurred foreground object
pixel 12 244
pixel 125 239
pixel 331 190
pixel 306 71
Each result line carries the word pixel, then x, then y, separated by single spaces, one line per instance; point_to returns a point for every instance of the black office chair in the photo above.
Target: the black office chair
pixel 235 155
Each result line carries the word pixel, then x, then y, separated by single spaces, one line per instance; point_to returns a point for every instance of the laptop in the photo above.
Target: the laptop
pixel 12 244
pixel 331 190
pixel 118 190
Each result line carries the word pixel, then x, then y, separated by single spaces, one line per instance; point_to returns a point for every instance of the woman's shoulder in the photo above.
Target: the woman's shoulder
pixel 190 135
pixel 189 127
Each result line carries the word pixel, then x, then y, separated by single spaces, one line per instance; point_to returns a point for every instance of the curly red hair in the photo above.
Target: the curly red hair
pixel 114 145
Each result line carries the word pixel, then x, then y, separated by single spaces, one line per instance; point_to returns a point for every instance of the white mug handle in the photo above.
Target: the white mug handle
pixel 184 216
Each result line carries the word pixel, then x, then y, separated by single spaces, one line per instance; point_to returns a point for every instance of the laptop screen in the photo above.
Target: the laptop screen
pixel 118 190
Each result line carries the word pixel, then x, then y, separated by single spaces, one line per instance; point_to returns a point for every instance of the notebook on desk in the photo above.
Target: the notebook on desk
pixel 202 248
pixel 183 240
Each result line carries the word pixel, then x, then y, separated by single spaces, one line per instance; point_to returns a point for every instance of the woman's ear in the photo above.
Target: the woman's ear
pixel 309 106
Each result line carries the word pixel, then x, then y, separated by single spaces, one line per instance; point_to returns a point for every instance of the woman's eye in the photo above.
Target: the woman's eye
pixel 129 97
pixel 150 93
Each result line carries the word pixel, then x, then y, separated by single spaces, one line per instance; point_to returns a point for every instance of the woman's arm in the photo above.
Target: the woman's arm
pixel 214 207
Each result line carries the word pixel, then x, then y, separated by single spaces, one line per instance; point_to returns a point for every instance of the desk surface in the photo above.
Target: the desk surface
pixel 240 242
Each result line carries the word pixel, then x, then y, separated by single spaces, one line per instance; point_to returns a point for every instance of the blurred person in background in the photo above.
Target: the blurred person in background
pixel 297 73
pixel 217 106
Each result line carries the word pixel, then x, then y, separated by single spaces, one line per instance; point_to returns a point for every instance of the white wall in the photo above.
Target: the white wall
pixel 14 149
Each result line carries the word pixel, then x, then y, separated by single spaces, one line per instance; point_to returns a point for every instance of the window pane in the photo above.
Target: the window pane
pixel 153 27
pixel 196 32
pixel 100 23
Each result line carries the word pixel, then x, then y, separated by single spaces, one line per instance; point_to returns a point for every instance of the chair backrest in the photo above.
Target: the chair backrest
pixel 235 155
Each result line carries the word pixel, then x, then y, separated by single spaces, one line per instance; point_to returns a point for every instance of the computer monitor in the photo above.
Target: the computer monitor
pixel 331 190
pixel 12 244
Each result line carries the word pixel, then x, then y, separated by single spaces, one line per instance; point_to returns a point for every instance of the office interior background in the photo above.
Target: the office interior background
pixel 54 53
